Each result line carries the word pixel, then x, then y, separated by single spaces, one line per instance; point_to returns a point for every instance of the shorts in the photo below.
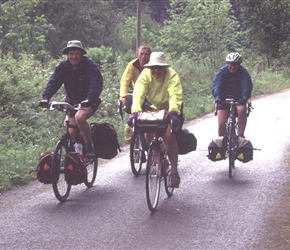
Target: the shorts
pixel 226 106
pixel 94 106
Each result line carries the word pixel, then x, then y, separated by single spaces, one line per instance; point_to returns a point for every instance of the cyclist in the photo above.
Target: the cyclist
pixel 83 84
pixel 161 85
pixel 129 77
pixel 232 80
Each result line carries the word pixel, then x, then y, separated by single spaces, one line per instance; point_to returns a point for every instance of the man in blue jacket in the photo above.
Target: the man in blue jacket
pixel 83 84
pixel 232 80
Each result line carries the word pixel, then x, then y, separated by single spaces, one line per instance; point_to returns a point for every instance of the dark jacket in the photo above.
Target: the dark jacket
pixel 82 83
pixel 236 85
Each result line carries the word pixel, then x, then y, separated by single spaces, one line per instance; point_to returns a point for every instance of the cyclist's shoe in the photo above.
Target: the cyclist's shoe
pixel 174 180
pixel 90 156
pixel 127 133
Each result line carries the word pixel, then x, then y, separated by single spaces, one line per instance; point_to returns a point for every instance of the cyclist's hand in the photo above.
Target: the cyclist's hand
pixel 218 100
pixel 121 102
pixel 43 103
pixel 133 116
pixel 242 101
pixel 86 103
pixel 173 116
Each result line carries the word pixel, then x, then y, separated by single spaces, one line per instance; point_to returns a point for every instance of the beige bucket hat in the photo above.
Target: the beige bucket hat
pixel 157 59
pixel 73 44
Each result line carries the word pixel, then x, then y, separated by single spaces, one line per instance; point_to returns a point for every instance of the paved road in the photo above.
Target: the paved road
pixel 208 211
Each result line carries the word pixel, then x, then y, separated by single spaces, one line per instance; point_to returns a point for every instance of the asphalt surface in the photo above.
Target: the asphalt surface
pixel 208 211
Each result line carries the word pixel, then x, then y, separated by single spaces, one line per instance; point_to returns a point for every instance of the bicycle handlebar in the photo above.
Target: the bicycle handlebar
pixel 64 106
pixel 232 101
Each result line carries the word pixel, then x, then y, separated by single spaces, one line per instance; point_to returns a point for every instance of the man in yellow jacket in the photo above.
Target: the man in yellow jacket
pixel 129 77
pixel 161 85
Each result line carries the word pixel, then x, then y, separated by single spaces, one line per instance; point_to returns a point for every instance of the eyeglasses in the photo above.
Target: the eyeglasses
pixel 156 67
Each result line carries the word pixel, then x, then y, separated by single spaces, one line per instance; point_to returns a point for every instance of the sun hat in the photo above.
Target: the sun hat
pixel 74 44
pixel 157 59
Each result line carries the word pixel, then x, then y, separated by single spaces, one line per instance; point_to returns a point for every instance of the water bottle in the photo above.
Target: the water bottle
pixel 78 147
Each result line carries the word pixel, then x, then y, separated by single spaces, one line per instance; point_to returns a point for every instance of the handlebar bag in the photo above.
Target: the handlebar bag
pixel 152 121
pixel 75 169
pixel 44 168
pixel 155 116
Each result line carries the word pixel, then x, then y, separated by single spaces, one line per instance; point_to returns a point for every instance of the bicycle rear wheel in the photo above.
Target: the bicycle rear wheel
pixel 92 169
pixel 153 178
pixel 136 154
pixel 61 188
pixel 168 189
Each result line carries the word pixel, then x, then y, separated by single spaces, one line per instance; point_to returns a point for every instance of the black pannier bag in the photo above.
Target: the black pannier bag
pixel 244 150
pixel 186 141
pixel 217 150
pixel 44 168
pixel 75 169
pixel 105 140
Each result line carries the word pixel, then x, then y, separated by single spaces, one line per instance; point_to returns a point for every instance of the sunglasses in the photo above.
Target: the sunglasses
pixel 156 67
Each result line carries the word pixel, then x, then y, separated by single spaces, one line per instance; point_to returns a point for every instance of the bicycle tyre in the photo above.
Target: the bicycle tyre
pixel 153 178
pixel 136 154
pixel 92 169
pixel 61 188
pixel 168 189
pixel 232 156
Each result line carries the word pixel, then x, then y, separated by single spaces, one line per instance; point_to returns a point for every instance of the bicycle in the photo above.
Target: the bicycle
pixel 158 167
pixel 230 140
pixel 65 145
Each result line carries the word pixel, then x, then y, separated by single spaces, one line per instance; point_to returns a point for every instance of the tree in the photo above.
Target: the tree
pixel 22 27
pixel 92 22
pixel 203 30
pixel 268 23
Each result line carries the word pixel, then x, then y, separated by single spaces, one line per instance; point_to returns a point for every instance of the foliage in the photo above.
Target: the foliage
pixel 92 22
pixel 206 29
pixel 23 28
pixel 268 26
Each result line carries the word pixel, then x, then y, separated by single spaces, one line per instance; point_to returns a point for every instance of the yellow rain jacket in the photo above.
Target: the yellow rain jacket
pixel 129 77
pixel 165 93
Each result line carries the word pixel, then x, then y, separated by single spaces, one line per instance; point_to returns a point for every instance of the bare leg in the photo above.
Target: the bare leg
pixel 223 116
pixel 242 119
pixel 81 120
pixel 172 149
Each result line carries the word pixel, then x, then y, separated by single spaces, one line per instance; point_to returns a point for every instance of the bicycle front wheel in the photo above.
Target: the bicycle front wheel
pixel 153 178
pixel 136 154
pixel 61 188
pixel 92 169
pixel 168 189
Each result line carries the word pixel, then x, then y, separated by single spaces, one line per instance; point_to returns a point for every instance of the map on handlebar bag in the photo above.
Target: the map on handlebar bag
pixel 156 116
